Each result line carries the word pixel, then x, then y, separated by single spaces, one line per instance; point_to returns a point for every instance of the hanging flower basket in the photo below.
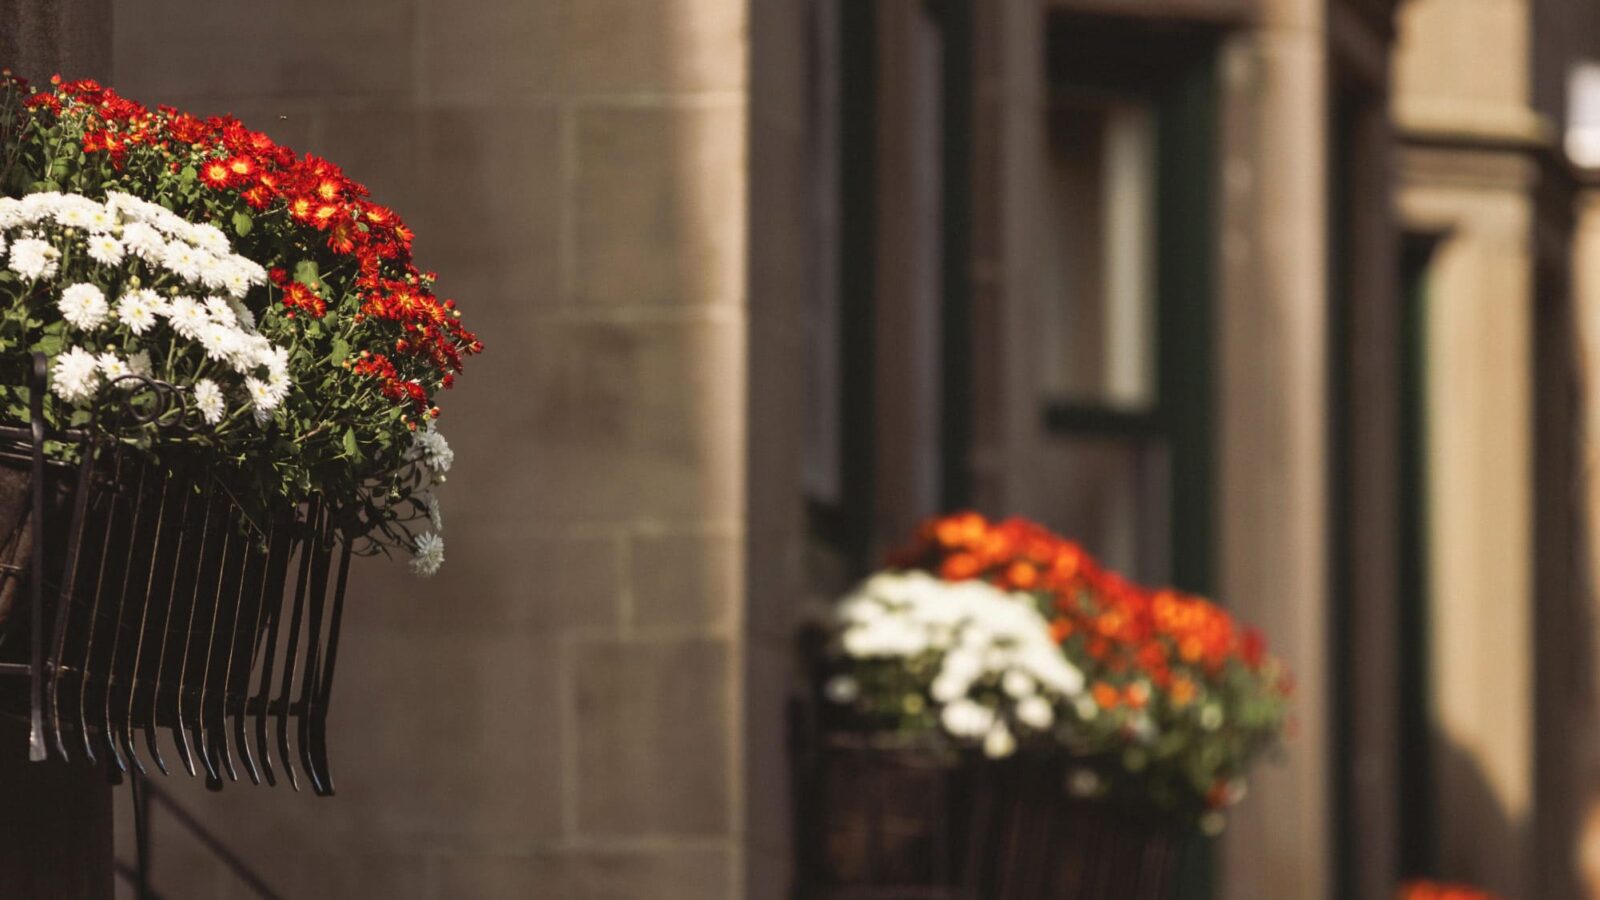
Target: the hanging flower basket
pixel 217 385
pixel 999 715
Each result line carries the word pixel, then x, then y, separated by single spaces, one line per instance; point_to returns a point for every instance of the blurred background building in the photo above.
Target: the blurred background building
pixel 1284 301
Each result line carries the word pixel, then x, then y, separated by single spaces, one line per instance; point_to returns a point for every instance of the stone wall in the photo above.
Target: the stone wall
pixel 562 711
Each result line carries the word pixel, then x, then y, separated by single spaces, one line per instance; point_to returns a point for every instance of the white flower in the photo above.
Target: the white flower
pixel 949 687
pixel 966 719
pixel 187 317
pixel 33 259
pixel 221 312
pixel 139 363
pixel 208 238
pixel 1018 685
pixel 84 305
pixel 262 395
pixel 428 554
pixel 2 244
pixel 842 689
pixel 1035 712
pixel 999 743
pixel 208 399
pixel 101 220
pixel 435 515
pixel 182 260
pixel 434 450
pixel 143 241
pixel 105 249
pixel 137 309
pixel 76 375
pixel 220 341
pixel 113 367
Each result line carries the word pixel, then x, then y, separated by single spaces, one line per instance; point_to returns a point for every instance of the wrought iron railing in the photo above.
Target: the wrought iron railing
pixel 155 603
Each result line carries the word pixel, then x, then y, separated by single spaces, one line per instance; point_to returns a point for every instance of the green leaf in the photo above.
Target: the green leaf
pixel 351 449
pixel 242 223
pixel 187 176
pixel 341 350
pixel 307 273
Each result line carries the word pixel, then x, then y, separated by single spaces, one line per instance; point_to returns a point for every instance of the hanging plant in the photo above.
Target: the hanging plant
pixel 266 287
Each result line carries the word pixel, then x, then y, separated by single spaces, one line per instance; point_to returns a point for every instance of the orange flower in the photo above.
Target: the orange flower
pixel 1106 696
pixel 1183 692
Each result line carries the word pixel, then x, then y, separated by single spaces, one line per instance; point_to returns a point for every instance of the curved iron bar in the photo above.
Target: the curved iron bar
pixel 112 451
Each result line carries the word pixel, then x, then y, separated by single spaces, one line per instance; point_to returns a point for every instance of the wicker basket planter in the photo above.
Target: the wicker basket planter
pixel 886 820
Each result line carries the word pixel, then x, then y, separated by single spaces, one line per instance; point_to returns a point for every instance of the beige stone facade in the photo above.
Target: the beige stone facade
pixel 590 701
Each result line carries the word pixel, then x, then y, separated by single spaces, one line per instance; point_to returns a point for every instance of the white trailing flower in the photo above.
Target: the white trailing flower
pixel 208 400
pixel 33 259
pixel 84 305
pixel 75 375
pixel 428 554
pixel 431 447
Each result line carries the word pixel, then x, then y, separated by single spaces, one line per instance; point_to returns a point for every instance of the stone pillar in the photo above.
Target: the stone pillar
pixel 1272 425
pixel 55 833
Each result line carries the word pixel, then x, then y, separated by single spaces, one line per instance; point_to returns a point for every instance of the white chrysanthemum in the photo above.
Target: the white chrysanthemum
pixel 143 241
pixel 33 259
pixel 187 317
pixel 84 305
pixel 181 259
pixel 435 514
pixel 262 395
pixel 219 341
pixel 221 312
pixel 966 719
pixel 1035 712
pixel 433 449
pixel 113 367
pixel 75 375
pixel 10 212
pixel 72 215
pixel 214 272
pixel 2 244
pixel 208 399
pixel 999 743
pixel 428 554
pixel 137 309
pixel 208 238
pixel 1018 684
pixel 101 219
pixel 234 280
pixel 105 249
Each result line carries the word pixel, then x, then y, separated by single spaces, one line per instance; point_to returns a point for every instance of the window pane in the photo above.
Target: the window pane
pixel 1112 496
pixel 1099 321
